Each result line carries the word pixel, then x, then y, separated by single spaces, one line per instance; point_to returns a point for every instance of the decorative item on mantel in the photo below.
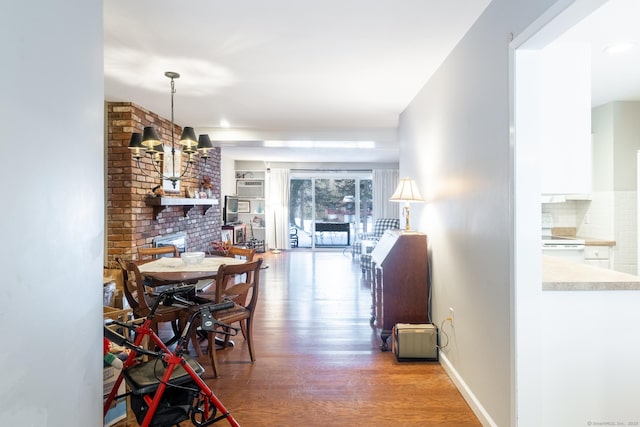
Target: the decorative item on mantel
pixel 206 188
pixel 166 163
pixel 221 248
pixel 157 191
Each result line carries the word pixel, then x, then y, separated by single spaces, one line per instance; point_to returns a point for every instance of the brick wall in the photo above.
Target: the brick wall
pixel 130 222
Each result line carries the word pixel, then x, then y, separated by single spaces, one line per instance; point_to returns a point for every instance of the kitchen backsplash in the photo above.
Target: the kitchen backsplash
pixel 564 214
pixel 591 218
pixel 608 215
pixel 626 231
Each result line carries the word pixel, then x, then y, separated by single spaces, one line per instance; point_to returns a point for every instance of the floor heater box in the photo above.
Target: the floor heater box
pixel 415 341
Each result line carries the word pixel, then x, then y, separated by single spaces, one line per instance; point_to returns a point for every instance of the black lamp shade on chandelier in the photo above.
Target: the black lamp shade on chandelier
pixel 150 137
pixel 148 142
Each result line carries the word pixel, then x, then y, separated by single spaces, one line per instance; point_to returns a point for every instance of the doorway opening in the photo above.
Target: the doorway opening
pixel 570 109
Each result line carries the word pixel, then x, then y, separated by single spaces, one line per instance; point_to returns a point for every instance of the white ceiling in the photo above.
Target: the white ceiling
pixel 332 70
pixel 613 77
pixel 336 70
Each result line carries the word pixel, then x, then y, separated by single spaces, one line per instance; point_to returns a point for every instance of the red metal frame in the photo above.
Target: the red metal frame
pixel 172 359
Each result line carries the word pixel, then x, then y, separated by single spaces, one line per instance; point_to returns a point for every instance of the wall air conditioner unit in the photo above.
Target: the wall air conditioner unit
pixel 250 188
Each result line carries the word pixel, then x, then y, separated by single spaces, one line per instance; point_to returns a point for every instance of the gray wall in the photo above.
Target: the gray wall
pixel 455 143
pixel 602 146
pixel 52 213
pixel 616 140
pixel 626 142
pixel 519 355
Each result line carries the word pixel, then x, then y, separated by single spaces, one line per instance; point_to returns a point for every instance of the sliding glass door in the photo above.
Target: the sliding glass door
pixel 364 218
pixel 329 209
pixel 300 211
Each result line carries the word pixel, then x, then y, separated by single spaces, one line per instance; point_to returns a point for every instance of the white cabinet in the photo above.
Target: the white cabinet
pixel 565 119
pixel 252 205
pixel 597 256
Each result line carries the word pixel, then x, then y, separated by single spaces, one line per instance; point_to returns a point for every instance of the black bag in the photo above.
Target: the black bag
pixel 174 407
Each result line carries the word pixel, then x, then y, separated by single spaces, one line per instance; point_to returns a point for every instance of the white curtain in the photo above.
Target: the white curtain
pixel 277 212
pixel 385 182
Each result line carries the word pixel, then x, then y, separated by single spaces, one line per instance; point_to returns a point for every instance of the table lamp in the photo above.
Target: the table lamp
pixel 407 192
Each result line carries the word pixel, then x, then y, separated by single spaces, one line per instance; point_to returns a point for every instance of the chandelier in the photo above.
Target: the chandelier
pixel 167 164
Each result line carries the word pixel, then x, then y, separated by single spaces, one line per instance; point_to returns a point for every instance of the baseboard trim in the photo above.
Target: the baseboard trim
pixel 466 392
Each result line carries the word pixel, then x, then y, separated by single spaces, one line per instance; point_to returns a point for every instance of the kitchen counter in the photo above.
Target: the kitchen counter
pixel 563 275
pixel 597 242
pixel 570 233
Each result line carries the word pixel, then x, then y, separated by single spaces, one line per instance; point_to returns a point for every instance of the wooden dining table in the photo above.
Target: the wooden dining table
pixel 167 271
pixel 173 270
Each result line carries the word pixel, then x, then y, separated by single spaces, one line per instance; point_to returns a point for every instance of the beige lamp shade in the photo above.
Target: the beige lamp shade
pixel 406 192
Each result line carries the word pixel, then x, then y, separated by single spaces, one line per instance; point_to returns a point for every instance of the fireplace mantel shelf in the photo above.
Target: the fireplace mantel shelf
pixel 161 203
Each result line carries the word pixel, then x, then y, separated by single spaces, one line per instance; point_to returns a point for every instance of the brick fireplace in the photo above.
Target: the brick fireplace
pixel 130 222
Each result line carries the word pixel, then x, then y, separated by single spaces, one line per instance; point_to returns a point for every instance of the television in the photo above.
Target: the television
pixel 230 209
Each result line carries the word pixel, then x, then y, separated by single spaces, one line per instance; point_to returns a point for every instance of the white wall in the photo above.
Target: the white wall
pixel 575 353
pixel 227 177
pixel 52 213
pixel 588 358
pixel 564 376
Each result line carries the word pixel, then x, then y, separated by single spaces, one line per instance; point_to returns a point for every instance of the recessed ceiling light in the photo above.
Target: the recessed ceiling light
pixel 616 48
pixel 224 123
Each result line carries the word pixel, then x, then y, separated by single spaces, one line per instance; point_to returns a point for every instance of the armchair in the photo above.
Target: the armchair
pixel 293 237
pixel 379 227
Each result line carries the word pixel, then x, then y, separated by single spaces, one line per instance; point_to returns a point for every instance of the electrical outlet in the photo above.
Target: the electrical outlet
pixel 451 315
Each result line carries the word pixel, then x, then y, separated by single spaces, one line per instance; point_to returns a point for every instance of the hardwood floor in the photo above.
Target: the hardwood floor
pixel 318 361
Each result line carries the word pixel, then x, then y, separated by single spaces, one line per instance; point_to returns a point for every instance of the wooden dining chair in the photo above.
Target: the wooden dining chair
pixel 207 290
pixel 239 252
pixel 129 288
pixel 206 286
pixel 148 254
pixel 153 253
pixel 140 301
pixel 244 294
